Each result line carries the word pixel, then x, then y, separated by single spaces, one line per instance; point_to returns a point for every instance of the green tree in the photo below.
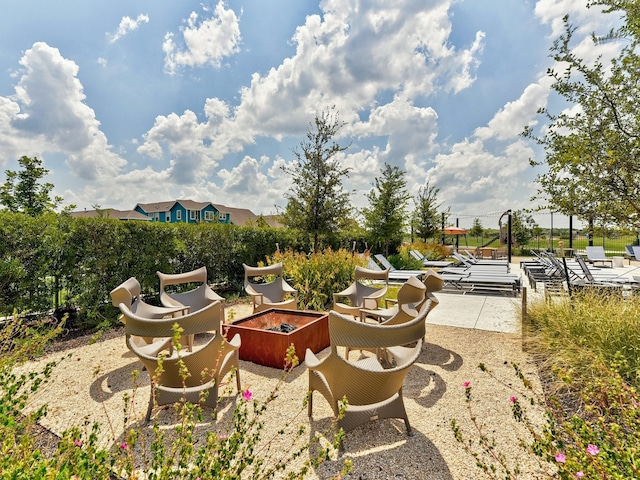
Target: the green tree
pixel 426 220
pixel 23 192
pixel 476 230
pixel 385 217
pixel 522 226
pixel 317 202
pixel 593 149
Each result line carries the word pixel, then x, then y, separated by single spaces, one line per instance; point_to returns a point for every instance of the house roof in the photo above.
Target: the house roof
pixel 156 207
pixel 239 216
pixel 111 213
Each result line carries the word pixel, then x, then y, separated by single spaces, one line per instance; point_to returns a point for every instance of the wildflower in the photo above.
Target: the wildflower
pixel 592 449
pixel 580 474
pixel 560 458
pixel 124 446
pixel 247 395
pixel 512 399
pixel 77 443
pixel 466 384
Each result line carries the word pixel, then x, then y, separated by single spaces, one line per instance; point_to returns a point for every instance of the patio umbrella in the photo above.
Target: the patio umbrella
pixel 455 231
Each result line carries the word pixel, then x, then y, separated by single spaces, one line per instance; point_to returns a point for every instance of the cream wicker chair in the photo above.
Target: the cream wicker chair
pixel 372 392
pixel 206 366
pixel 361 293
pixel 197 298
pixel 128 294
pixel 276 293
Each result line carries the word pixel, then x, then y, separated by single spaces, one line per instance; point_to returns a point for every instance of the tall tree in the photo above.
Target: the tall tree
pixel 317 202
pixel 476 230
pixel 385 217
pixel 426 219
pixel 592 149
pixel 23 192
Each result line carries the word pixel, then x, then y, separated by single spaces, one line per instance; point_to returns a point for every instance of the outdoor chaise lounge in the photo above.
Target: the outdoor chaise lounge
pixel 185 376
pixel 272 292
pixel 372 391
pixel 429 263
pixel 394 273
pixel 595 254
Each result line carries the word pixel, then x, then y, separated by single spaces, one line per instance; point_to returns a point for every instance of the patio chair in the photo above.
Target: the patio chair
pixel 276 293
pixel 372 391
pixel 411 296
pixel 362 293
pixel 202 369
pixel 128 294
pixel 196 298
pixel 597 255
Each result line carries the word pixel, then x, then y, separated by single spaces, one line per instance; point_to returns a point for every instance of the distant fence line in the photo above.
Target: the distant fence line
pixel 554 228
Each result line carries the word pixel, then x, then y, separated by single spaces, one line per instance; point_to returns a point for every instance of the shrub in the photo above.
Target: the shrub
pixel 587 351
pixel 318 275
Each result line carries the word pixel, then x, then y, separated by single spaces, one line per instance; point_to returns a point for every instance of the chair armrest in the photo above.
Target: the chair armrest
pixel 311 360
pixel 392 301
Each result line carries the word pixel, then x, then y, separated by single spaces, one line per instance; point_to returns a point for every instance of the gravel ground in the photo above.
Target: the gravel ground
pixel 91 383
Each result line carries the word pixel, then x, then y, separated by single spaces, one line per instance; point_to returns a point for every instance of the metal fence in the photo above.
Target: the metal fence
pixel 553 232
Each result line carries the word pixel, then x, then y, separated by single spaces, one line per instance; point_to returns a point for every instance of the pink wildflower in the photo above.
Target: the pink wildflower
pixel 512 399
pixel 560 458
pixel 592 449
pixel 466 384
pixel 124 446
pixel 580 474
pixel 77 443
pixel 247 395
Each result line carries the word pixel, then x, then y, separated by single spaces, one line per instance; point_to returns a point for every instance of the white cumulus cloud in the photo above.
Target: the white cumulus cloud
pixel 206 41
pixel 127 25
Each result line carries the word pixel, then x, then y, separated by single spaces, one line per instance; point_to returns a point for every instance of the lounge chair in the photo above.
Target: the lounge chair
pixel 397 274
pixel 372 391
pixel 272 293
pixel 429 263
pixel 597 255
pixel 184 376
pixel 362 293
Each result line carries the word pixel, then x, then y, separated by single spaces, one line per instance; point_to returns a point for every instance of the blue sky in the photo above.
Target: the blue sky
pixel 138 101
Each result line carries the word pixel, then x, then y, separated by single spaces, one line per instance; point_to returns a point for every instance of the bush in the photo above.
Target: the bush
pixel 318 275
pixel 587 350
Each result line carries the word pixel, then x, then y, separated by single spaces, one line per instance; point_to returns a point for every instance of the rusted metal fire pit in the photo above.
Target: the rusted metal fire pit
pixel 269 347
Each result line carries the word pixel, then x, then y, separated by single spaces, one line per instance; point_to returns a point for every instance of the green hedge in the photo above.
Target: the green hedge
pixel 58 259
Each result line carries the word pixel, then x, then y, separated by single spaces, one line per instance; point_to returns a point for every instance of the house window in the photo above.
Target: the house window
pixel 179 215
pixel 156 217
pixel 222 216
pixel 167 218
pixel 208 215
pixel 193 214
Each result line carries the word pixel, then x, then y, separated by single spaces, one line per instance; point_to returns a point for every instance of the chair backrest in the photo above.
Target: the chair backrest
pixel 595 252
pixel 196 298
pixel 636 251
pixel 273 291
pixel 384 262
pixel 362 289
pixel 207 319
pixel 344 330
pixel 585 268
pixel 127 292
pixel 629 250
